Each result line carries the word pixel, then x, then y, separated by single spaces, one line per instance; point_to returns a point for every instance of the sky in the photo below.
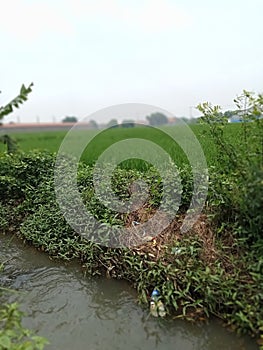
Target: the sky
pixel 85 55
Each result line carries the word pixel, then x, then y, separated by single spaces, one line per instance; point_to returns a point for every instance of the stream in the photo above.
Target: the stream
pixel 77 312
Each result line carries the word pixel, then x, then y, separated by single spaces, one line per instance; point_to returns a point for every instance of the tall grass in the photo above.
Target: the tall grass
pixel 101 140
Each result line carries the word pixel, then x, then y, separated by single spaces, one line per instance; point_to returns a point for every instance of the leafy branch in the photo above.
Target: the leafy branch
pixel 17 101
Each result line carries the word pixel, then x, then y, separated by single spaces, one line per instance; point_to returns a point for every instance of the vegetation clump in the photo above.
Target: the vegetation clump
pixel 214 269
pixel 13 336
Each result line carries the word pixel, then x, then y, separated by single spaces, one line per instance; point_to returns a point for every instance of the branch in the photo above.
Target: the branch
pixel 20 99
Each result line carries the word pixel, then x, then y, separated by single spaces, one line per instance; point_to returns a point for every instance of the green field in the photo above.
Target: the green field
pixel 101 140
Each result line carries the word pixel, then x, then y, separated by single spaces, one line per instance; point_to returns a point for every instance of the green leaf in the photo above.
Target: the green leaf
pixel 7 109
pixel 5 342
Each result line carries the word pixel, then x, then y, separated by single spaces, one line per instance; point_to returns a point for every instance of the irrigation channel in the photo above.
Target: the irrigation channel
pixel 77 312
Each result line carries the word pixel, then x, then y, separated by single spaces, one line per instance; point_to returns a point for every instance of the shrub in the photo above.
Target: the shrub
pixel 236 191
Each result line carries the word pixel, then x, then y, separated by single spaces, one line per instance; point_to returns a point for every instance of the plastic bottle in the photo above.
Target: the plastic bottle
pixel 156 306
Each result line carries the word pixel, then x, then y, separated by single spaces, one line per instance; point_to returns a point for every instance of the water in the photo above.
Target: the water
pixel 76 312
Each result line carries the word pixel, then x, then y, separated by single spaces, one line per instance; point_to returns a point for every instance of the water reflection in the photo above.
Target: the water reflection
pixel 75 312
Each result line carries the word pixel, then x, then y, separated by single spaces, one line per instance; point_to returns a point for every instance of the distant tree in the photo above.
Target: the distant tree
pixel 157 119
pixel 93 124
pixel 230 114
pixel 113 123
pixel 70 119
pixel 129 123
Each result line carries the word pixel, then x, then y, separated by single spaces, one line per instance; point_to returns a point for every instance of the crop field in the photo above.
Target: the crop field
pixel 98 141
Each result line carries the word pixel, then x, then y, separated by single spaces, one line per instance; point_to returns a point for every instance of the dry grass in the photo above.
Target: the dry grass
pixel 155 245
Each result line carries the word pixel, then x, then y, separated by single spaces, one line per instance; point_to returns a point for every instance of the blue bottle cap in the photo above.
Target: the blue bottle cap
pixel 155 293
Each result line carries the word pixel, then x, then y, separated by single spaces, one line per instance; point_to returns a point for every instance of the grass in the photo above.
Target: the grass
pixel 47 140
pixel 51 140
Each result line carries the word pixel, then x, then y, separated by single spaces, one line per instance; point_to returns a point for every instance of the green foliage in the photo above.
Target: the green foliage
pixel 5 217
pixel 20 99
pixel 7 109
pixel 10 143
pixel 28 168
pixel 106 138
pixel 230 286
pixel 236 190
pixel 42 140
pixel 51 140
pixel 157 118
pixel 129 123
pixel 13 336
pixel 69 119
pixel 230 114
pixel 10 188
pixel 93 124
pixel 113 123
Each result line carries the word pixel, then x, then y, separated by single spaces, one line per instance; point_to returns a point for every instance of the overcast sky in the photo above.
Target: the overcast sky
pixel 84 55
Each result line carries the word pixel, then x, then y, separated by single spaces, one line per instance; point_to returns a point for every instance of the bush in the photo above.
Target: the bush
pixel 236 190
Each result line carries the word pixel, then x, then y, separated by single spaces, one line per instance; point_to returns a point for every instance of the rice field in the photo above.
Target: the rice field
pixel 99 140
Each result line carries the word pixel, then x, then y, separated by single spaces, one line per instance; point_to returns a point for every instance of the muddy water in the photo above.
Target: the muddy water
pixel 76 312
